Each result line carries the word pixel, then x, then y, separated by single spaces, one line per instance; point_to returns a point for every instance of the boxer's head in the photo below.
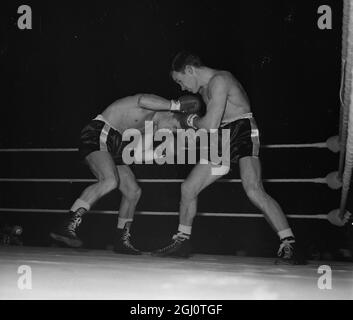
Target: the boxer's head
pixel 167 120
pixel 184 71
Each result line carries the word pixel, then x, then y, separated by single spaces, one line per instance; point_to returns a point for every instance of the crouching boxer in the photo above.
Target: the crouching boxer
pixel 101 147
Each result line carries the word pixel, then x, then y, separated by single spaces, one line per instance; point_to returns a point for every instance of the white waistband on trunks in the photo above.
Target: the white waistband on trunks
pixel 243 116
pixel 101 118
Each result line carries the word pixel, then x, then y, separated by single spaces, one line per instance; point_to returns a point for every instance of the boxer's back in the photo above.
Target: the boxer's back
pixel 125 114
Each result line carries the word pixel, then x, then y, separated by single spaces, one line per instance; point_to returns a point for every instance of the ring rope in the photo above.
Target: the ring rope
pixel 158 213
pixel 270 146
pixel 347 174
pixel 39 150
pixel 348 104
pixel 303 145
pixel 312 180
pixel 346 82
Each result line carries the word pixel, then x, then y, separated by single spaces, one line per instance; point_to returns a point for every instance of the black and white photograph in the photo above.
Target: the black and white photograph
pixel 176 156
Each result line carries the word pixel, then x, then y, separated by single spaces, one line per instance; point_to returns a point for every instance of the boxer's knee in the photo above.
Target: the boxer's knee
pixel 133 194
pixel 108 184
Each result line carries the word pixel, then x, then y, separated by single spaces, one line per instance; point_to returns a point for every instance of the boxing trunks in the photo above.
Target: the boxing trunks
pixel 99 135
pixel 243 138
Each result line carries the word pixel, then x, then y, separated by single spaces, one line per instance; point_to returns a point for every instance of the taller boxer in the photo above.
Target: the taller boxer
pixel 228 107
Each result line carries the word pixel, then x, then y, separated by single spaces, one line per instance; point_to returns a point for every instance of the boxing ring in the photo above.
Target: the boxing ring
pixel 63 273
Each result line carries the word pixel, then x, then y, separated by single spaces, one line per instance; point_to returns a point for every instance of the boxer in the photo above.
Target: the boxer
pixel 101 147
pixel 228 107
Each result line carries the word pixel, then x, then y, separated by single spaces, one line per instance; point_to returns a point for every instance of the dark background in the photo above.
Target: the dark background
pixel 81 56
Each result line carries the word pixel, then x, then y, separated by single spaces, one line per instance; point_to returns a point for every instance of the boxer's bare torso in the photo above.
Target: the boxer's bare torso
pixel 125 114
pixel 237 100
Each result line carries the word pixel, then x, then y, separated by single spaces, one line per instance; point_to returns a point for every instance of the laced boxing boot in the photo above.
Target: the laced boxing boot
pixel 289 253
pixel 179 247
pixel 122 241
pixel 66 232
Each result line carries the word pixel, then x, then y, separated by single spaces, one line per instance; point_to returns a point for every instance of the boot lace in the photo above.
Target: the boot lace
pixel 285 250
pixel 74 223
pixel 177 241
pixel 126 240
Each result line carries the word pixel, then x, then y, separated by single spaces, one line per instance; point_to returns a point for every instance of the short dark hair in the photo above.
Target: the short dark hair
pixel 183 59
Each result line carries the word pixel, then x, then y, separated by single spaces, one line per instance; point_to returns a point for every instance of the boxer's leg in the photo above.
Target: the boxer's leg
pixel 250 173
pixel 199 178
pixel 131 193
pixel 103 167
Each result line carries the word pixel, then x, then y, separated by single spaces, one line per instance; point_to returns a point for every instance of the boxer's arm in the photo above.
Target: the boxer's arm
pixel 153 102
pixel 216 105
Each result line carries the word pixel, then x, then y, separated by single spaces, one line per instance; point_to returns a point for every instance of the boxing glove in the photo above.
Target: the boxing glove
pixel 186 120
pixel 186 104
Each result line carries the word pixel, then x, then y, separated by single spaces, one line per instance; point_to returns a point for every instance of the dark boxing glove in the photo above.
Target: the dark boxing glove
pixel 186 104
pixel 186 120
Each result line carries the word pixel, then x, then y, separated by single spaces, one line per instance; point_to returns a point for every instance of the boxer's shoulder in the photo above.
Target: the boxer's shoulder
pixel 221 80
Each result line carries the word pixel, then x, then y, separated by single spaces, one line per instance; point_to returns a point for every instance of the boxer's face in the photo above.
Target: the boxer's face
pixel 186 80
